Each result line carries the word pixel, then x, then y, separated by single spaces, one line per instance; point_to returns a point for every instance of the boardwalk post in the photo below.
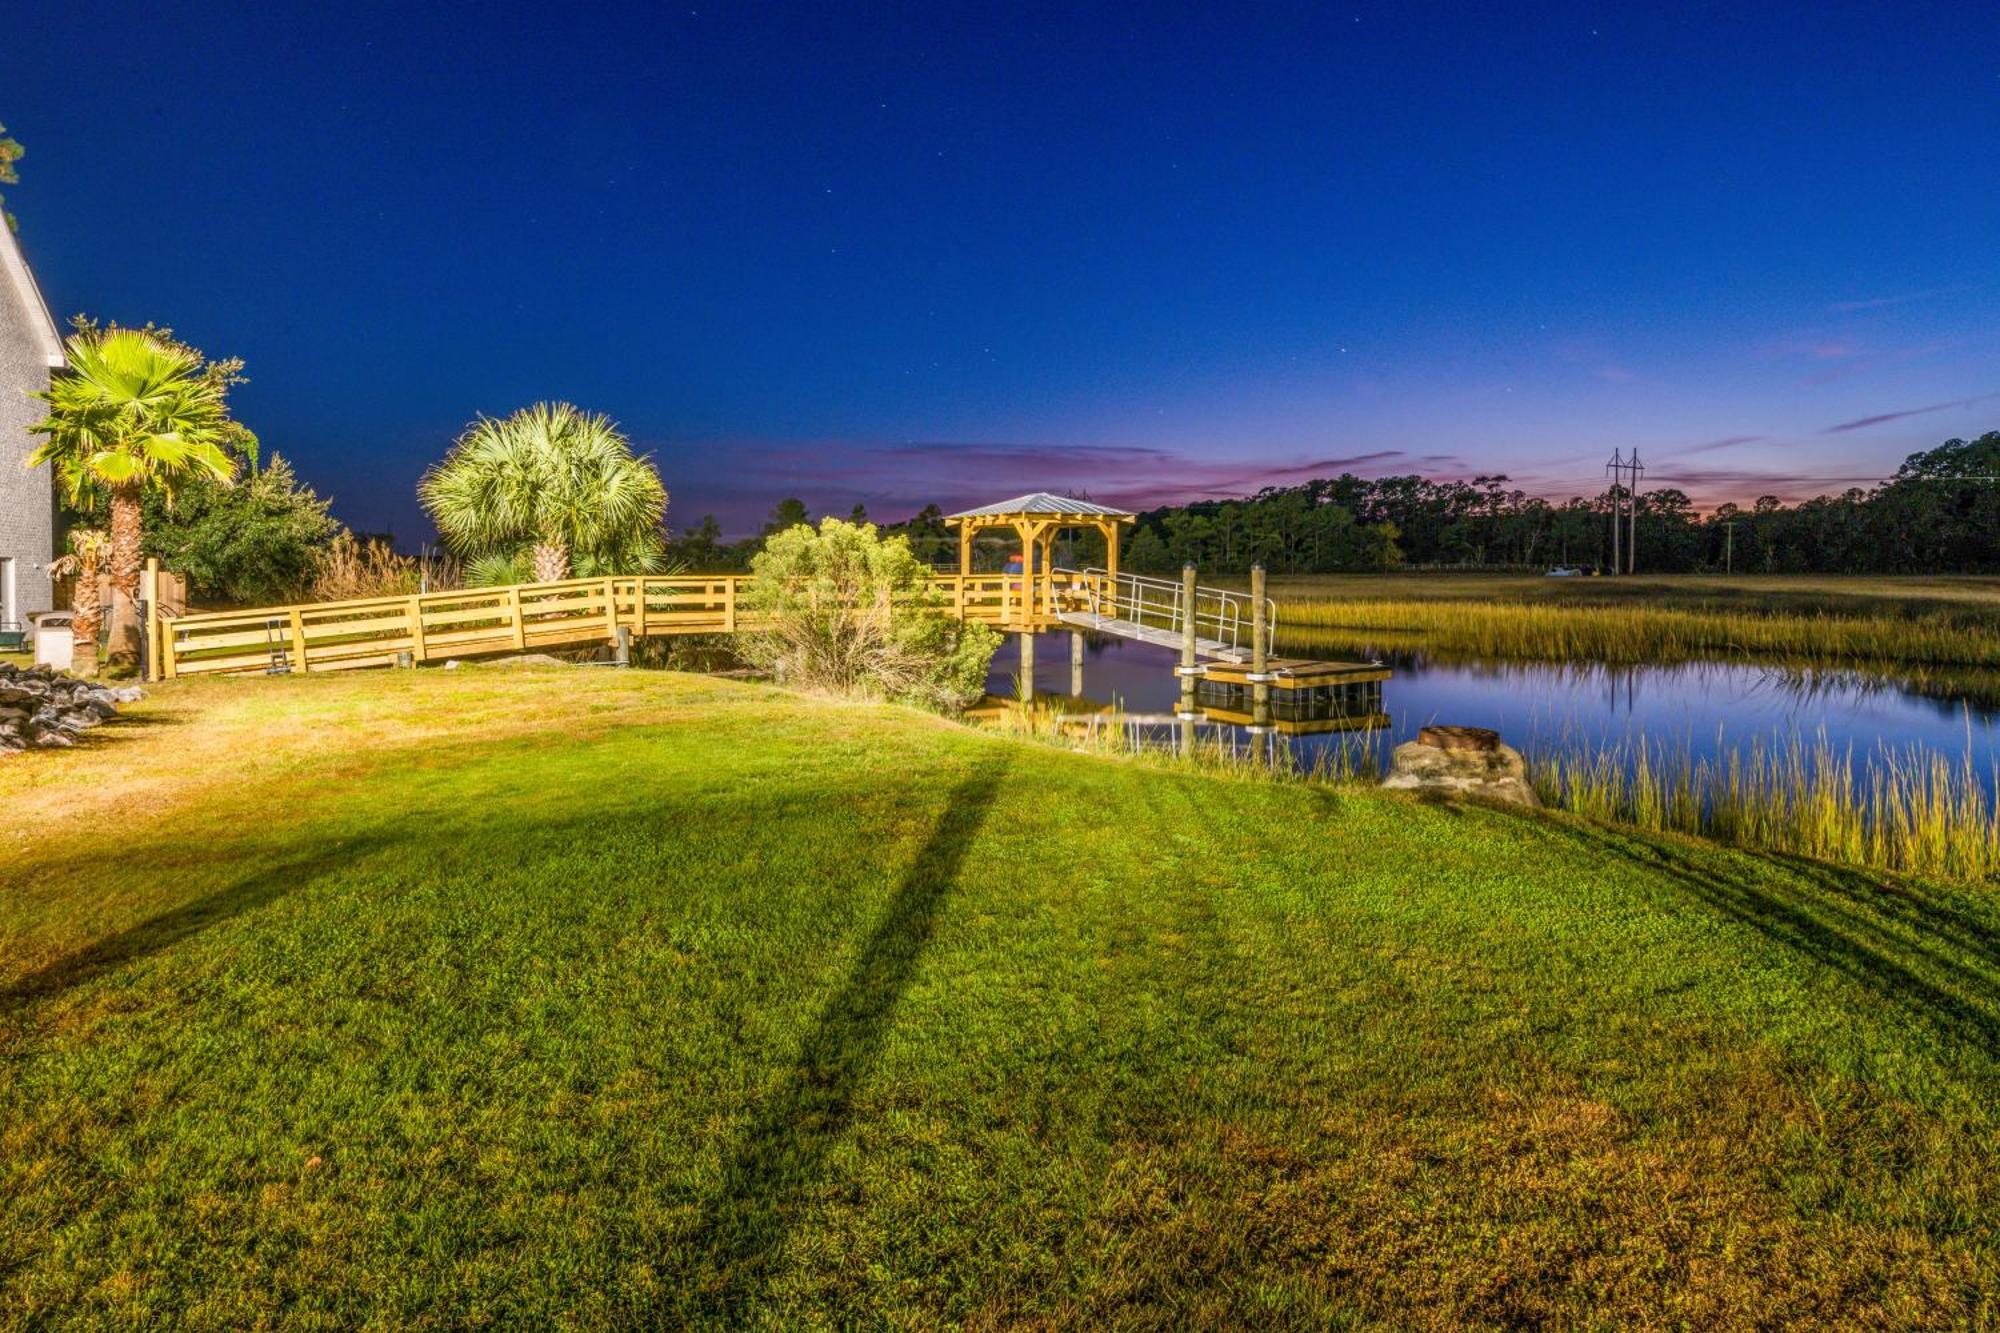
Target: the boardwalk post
pixel 621 653
pixel 1028 665
pixel 149 598
pixel 1076 663
pixel 1260 656
pixel 1187 670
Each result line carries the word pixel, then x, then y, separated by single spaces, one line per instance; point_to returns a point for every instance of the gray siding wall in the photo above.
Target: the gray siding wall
pixel 27 503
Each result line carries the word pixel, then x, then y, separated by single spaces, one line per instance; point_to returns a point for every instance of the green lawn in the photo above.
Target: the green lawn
pixel 628 998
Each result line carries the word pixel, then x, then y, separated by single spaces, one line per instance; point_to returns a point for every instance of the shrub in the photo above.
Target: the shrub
pixel 846 610
pixel 256 542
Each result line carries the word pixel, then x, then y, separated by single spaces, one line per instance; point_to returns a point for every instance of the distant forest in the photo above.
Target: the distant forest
pixel 1940 513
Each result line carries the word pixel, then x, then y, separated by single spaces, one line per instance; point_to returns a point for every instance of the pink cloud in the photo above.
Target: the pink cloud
pixel 740 481
pixel 1882 418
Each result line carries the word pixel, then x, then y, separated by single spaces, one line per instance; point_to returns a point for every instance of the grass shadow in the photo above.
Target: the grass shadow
pixel 165 929
pixel 784 1150
pixel 1928 960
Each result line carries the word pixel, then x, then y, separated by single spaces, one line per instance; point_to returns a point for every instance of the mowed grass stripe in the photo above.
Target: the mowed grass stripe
pixel 649 999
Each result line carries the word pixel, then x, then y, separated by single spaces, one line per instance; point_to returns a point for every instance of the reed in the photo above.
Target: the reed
pixel 350 568
pixel 1912 809
pixel 1639 634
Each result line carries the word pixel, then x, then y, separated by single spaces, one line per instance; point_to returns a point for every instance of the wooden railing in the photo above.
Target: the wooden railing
pixel 529 617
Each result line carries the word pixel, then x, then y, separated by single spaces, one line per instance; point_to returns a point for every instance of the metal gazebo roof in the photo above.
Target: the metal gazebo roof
pixel 1043 504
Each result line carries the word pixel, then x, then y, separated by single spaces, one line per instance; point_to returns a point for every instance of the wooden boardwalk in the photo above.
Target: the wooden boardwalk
pixel 586 613
pixel 535 617
pixel 1125 628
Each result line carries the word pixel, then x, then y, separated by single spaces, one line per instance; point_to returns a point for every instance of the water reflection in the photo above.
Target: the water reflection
pixel 1704 708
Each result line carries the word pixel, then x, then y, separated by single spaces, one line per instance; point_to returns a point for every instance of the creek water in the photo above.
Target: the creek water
pixel 1701 708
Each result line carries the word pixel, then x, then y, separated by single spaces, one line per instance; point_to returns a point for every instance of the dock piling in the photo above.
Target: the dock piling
pixel 1076 663
pixel 1027 686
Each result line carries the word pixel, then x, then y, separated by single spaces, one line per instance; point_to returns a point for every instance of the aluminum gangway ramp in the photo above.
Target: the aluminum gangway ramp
pixel 1150 610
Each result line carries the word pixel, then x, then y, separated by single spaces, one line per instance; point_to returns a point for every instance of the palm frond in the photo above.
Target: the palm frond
pixel 553 475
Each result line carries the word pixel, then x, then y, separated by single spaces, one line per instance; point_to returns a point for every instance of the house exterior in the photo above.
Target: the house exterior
pixel 29 350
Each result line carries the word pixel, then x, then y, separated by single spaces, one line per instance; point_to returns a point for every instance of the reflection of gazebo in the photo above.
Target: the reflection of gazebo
pixel 1036 519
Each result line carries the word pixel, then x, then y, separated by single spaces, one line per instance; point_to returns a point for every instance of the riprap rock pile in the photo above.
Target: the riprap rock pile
pixel 41 708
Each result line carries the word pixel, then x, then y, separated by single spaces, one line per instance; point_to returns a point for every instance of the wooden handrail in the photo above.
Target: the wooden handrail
pixel 373 631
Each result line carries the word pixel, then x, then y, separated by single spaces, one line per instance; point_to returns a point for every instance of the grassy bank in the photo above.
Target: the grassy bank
pixel 1870 622
pixel 1968 598
pixel 635 999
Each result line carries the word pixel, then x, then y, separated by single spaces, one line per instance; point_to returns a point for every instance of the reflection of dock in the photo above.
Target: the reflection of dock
pixel 1305 723
pixel 1308 692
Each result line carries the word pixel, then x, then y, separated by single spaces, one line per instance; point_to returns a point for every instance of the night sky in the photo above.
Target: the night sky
pixel 954 254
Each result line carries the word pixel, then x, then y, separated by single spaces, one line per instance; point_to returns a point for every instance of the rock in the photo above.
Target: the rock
pixel 1461 761
pixel 1469 740
pixel 43 709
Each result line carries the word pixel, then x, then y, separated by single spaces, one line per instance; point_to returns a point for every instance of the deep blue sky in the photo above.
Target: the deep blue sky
pixel 924 253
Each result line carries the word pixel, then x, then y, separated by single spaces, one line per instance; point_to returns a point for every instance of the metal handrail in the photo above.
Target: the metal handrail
pixel 1220 614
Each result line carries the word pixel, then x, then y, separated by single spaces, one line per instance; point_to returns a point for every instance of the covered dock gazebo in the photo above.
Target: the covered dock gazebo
pixel 1036 519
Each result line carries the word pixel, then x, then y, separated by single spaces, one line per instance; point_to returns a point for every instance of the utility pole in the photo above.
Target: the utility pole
pixel 1616 467
pixel 1632 498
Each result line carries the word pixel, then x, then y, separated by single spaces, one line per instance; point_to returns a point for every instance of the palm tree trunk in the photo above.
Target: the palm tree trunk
pixel 551 560
pixel 126 542
pixel 86 613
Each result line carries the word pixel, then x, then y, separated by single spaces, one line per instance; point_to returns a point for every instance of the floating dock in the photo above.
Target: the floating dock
pixel 1297 673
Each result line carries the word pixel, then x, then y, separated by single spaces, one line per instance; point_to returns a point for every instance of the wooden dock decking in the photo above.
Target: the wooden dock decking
pixel 1297 673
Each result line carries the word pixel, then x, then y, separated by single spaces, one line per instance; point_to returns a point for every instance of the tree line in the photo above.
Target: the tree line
pixel 1939 513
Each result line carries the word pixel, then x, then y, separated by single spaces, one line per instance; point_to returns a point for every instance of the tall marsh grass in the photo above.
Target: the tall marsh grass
pixel 350 568
pixel 1637 634
pixel 1912 809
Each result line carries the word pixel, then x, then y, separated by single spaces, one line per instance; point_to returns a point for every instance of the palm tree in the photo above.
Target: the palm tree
pixel 559 484
pixel 87 549
pixel 135 412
